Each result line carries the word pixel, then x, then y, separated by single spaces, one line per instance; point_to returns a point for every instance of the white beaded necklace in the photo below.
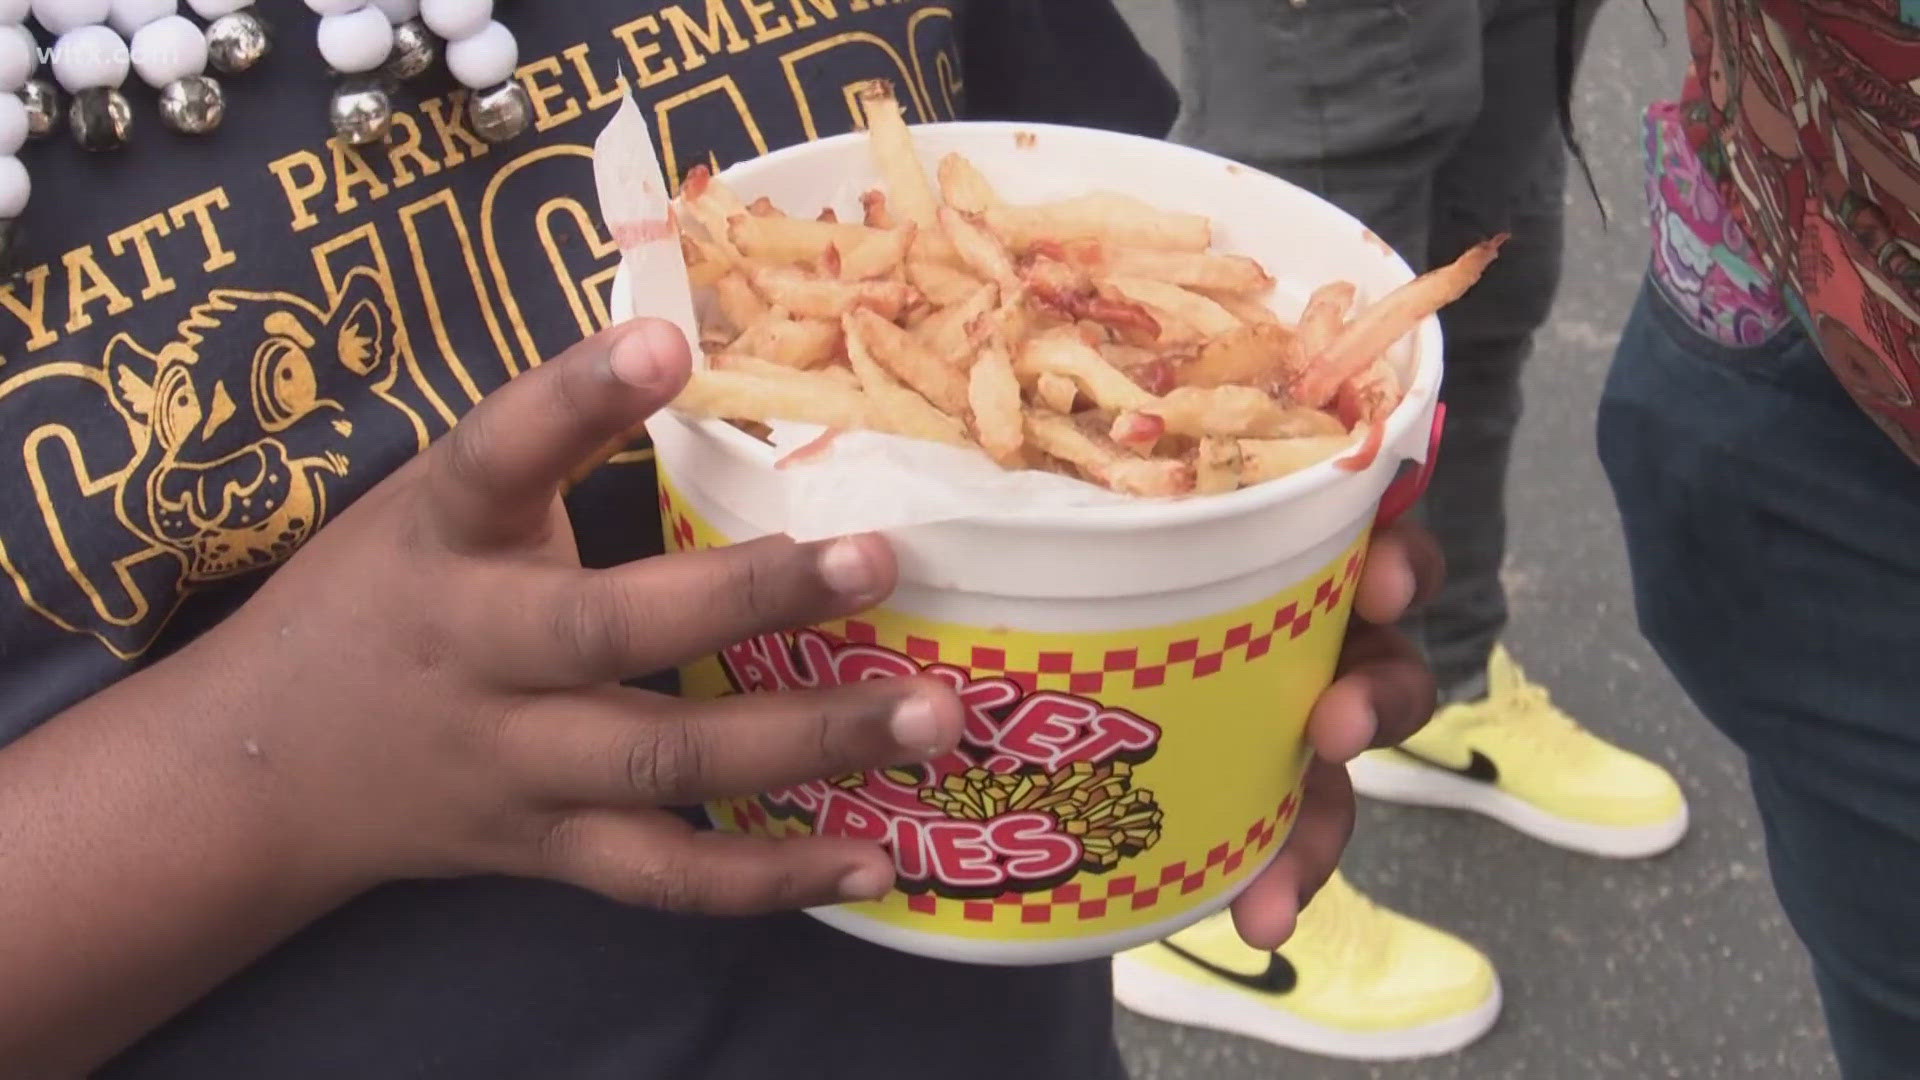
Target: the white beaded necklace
pixel 373 45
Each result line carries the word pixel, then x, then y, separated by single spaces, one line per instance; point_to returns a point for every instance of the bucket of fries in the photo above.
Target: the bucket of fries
pixel 1127 412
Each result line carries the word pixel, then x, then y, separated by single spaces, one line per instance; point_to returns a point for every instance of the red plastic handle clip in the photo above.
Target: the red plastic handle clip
pixel 1408 487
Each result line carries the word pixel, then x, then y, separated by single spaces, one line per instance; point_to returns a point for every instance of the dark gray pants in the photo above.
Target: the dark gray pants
pixel 1433 121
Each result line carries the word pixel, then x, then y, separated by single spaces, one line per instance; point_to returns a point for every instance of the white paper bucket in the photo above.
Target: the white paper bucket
pixel 1138 676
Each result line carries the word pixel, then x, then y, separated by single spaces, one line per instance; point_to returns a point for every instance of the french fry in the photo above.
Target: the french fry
pixel 873 206
pixel 1238 411
pixel 711 204
pixel 1104 216
pixel 792 241
pixel 979 249
pixel 811 297
pixel 795 343
pixel 1375 330
pixel 706 262
pixel 706 275
pixel 909 194
pixel 994 395
pixel 1066 293
pixel 964 187
pixel 908 361
pixel 1104 463
pixel 1198 270
pixel 1062 352
pixel 738 302
pixel 947 332
pixel 942 284
pixel 1011 321
pixel 1262 460
pixel 799 397
pixel 1245 308
pixel 1217 466
pixel 1154 371
pixel 1202 271
pixel 1057 392
pixel 876 256
pixel 1369 396
pixel 1325 316
pixel 1139 432
pixel 715 336
pixel 773 369
pixel 1264 355
pixel 1171 304
pixel 897 409
pixel 1055 279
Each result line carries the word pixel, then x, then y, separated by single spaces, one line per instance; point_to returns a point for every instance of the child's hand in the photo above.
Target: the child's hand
pixel 432 685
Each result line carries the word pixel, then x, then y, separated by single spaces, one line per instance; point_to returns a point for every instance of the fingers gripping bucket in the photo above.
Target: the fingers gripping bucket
pixel 1136 678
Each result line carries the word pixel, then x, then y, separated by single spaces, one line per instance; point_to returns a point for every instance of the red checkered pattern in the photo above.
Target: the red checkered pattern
pixel 1195 658
pixel 1191 657
pixel 1092 899
pixel 679 530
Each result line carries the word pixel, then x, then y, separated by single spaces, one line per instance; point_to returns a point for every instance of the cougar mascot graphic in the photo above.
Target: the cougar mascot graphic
pixel 216 455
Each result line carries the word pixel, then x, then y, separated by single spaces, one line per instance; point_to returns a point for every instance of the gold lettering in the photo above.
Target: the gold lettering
pixel 87 282
pixel 300 193
pixel 32 315
pixel 857 5
pixel 403 145
pixel 804 19
pixel 757 15
pixel 597 98
pixel 140 234
pixel 451 126
pixel 643 55
pixel 218 257
pixel 719 25
pixel 545 119
pixel 349 171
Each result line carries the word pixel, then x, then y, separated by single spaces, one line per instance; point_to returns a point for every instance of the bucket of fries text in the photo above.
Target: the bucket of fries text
pixel 1112 784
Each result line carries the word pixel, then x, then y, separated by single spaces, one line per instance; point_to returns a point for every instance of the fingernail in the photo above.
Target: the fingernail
pixel 848 569
pixel 916 726
pixel 867 883
pixel 1401 586
pixel 1370 730
pixel 635 361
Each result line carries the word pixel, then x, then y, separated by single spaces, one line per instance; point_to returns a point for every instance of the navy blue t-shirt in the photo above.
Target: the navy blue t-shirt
pixel 215 344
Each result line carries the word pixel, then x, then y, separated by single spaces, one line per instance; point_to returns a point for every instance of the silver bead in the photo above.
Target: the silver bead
pixel 500 113
pixel 102 118
pixel 42 99
pixel 194 105
pixel 237 41
pixel 362 112
pixel 414 51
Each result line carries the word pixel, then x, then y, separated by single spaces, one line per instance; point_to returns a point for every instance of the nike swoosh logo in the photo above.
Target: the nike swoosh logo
pixel 1480 768
pixel 1279 978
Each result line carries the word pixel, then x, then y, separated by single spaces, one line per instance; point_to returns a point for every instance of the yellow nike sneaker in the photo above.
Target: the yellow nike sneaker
pixel 1517 758
pixel 1356 981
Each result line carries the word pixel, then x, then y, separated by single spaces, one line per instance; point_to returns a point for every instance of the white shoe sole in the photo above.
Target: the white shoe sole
pixel 1149 991
pixel 1409 782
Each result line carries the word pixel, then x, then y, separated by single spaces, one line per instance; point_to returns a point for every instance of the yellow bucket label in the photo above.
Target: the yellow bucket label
pixel 1106 780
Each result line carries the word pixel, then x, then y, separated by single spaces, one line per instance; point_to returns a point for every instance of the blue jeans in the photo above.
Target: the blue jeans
pixel 1774 535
